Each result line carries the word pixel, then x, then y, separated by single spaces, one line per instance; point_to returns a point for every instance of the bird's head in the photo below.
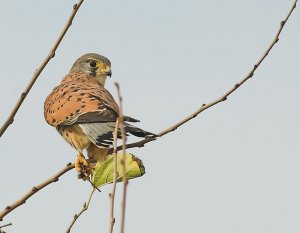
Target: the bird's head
pixel 94 65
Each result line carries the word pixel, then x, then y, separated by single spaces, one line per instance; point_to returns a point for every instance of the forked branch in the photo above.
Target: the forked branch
pixel 39 70
pixel 225 95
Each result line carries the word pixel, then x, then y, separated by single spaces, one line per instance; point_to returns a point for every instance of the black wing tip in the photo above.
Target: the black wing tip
pixel 141 133
pixel 130 119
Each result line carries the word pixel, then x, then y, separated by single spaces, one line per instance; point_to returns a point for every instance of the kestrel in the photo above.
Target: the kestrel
pixel 84 112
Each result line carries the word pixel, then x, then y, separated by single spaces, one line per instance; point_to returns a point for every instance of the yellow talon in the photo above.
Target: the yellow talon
pixel 83 167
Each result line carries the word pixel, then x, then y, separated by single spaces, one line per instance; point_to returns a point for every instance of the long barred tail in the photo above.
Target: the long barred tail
pixel 101 134
pixel 98 151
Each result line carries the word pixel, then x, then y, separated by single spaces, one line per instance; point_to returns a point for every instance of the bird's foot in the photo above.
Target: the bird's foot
pixel 83 167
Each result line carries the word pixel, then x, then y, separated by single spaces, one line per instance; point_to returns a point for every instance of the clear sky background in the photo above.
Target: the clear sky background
pixel 233 169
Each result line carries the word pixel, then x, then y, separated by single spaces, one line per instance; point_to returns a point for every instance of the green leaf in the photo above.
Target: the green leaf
pixel 104 171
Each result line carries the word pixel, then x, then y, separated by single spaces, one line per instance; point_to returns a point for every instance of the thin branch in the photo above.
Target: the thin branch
pixel 124 177
pixel 34 190
pixel 38 71
pixel 6 225
pixel 112 219
pixel 162 133
pixel 224 96
pixel 84 208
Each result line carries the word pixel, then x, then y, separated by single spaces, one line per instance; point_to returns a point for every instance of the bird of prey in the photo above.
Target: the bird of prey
pixel 85 113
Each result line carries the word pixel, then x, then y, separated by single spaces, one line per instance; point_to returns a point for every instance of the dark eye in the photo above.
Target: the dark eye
pixel 93 64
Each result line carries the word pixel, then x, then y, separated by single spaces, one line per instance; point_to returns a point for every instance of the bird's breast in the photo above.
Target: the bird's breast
pixel 74 135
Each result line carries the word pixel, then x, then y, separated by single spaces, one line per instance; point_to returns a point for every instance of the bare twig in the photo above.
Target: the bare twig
pixel 96 188
pixel 39 70
pixel 124 178
pixel 113 192
pixel 6 225
pixel 164 132
pixel 34 190
pixel 224 96
pixel 84 208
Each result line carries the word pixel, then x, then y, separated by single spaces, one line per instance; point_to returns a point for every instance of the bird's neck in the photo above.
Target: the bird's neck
pixel 101 80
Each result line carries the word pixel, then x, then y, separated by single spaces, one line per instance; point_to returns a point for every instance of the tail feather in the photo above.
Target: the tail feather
pixel 101 135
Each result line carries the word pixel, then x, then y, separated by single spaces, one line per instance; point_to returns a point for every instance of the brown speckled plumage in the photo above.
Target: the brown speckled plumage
pixel 83 111
pixel 75 96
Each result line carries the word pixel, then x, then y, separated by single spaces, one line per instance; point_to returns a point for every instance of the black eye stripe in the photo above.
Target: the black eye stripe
pixel 93 64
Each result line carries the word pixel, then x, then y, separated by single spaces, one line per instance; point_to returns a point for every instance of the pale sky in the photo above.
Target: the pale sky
pixel 233 169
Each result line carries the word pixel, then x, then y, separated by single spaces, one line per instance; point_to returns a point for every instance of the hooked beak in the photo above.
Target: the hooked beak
pixel 109 73
pixel 103 70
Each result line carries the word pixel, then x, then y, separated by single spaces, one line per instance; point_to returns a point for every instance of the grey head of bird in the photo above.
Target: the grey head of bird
pixel 94 65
